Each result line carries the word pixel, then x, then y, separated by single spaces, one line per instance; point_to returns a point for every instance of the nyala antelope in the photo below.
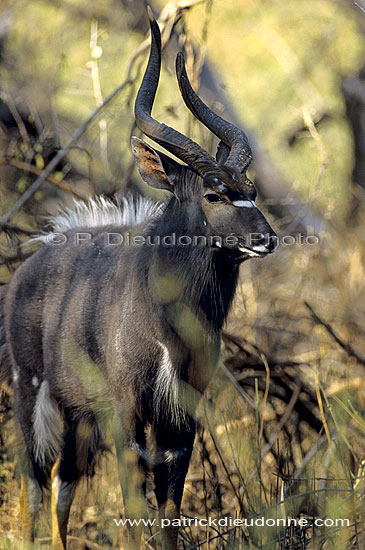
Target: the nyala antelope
pixel 95 329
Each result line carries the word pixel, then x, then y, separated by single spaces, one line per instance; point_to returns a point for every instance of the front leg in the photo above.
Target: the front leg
pixel 130 445
pixel 174 446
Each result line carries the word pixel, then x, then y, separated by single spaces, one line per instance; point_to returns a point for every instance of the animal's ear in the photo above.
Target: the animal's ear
pixel 222 152
pixel 156 169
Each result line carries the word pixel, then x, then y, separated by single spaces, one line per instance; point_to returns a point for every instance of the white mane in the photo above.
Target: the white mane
pixel 101 212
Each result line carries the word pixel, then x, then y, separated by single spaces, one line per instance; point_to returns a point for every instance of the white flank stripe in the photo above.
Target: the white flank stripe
pixel 167 388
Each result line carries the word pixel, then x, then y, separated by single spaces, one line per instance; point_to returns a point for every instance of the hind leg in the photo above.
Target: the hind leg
pixel 82 442
pixel 30 499
pixel 63 491
pixel 32 473
pixel 64 478
pixel 45 437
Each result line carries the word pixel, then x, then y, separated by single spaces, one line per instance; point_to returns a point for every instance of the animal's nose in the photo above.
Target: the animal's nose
pixel 264 242
pixel 272 243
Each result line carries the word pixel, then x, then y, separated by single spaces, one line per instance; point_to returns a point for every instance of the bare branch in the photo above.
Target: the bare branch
pixel 358 6
pixel 11 228
pixel 52 165
pixel 344 345
pixel 18 257
pixel 22 165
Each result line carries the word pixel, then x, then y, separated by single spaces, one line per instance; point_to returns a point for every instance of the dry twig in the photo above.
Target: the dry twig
pixel 344 345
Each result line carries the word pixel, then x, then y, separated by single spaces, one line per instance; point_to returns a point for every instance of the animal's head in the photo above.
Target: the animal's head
pixel 216 191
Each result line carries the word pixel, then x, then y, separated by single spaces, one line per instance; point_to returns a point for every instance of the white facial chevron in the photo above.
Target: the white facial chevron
pixel 244 204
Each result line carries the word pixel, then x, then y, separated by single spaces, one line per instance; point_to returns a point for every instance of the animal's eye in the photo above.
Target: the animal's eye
pixel 213 197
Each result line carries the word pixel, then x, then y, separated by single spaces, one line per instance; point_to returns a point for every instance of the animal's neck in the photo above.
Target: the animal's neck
pixel 202 279
pixel 219 291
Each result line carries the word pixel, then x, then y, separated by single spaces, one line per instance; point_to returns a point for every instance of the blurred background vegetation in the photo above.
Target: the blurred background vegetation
pixel 287 436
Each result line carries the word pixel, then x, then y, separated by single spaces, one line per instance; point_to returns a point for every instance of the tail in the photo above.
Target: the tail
pixel 5 364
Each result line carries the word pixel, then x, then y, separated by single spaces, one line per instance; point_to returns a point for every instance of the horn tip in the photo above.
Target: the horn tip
pixel 150 14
